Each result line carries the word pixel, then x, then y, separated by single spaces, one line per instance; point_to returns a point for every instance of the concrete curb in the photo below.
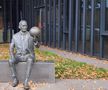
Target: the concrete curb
pixel 41 72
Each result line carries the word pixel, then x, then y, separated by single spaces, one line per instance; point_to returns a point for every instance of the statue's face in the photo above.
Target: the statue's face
pixel 23 26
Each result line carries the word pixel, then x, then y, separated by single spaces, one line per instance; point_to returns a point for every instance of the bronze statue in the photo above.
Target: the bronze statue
pixel 24 44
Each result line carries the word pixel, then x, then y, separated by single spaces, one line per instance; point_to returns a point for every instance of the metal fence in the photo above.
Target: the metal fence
pixel 76 25
pixel 72 25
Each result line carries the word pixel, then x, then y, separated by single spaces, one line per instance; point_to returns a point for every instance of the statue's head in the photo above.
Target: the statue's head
pixel 23 25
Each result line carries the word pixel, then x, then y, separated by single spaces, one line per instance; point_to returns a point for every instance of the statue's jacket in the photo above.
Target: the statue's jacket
pixel 24 44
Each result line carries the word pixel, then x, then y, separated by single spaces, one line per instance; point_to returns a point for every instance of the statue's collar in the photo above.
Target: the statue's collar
pixel 23 33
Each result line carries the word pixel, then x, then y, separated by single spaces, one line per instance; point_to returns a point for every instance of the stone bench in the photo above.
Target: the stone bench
pixel 41 72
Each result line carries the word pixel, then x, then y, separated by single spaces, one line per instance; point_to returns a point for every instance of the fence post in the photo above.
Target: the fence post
pixel 77 24
pixel 54 24
pixel 102 27
pixel 71 22
pixel 64 23
pixel 59 23
pixel 92 25
pixel 84 27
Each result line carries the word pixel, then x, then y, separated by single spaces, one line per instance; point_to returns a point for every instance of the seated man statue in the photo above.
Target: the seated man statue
pixel 23 43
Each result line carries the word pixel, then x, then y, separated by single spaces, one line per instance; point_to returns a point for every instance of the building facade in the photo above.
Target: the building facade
pixel 73 25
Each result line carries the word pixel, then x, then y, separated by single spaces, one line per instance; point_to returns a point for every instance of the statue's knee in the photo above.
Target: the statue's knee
pixel 11 62
pixel 30 60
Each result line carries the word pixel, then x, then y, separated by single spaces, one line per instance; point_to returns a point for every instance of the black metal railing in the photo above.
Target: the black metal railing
pixel 68 22
pixel 73 25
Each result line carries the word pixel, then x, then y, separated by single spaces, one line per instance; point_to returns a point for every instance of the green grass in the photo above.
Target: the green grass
pixel 64 68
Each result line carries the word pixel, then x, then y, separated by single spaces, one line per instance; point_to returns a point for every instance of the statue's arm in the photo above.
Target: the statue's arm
pixel 12 45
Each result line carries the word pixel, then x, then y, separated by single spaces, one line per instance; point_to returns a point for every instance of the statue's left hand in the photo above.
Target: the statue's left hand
pixel 37 44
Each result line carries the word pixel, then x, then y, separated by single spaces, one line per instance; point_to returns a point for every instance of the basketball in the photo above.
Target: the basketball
pixel 35 31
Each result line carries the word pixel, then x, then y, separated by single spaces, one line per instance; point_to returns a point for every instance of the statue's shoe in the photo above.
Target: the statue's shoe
pixel 15 83
pixel 26 86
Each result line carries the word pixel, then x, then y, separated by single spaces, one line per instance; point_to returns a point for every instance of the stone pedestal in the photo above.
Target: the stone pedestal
pixel 41 72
